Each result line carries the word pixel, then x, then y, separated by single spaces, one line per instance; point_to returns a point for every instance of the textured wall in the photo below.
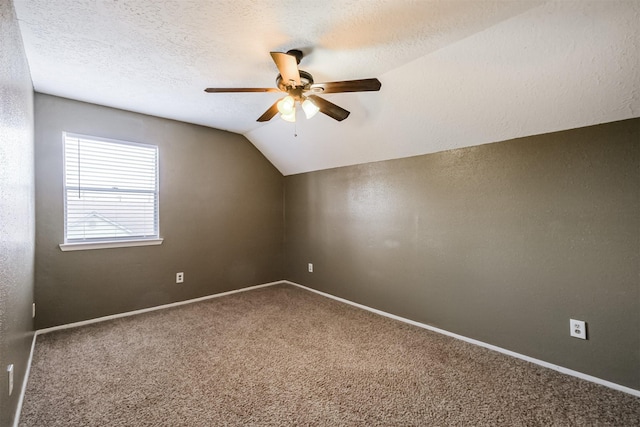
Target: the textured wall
pixel 221 217
pixel 502 242
pixel 17 220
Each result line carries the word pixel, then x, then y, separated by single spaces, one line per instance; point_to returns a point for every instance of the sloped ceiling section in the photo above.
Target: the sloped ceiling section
pixel 454 73
pixel 559 66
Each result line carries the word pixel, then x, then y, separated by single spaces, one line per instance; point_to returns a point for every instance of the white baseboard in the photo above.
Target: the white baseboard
pixel 561 369
pixel 23 390
pixel 146 310
pixel 115 316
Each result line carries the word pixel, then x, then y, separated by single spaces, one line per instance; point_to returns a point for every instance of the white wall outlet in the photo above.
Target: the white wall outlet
pixel 10 373
pixel 578 329
pixel 179 277
pixel 310 268
pixel 33 310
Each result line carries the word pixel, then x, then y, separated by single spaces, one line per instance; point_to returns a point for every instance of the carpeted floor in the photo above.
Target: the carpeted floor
pixel 281 356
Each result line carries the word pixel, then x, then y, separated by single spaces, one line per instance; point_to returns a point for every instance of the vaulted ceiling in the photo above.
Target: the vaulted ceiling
pixel 453 73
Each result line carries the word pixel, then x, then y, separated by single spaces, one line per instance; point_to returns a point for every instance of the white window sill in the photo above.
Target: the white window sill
pixel 84 246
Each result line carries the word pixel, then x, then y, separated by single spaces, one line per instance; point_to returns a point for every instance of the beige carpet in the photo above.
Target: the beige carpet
pixel 282 356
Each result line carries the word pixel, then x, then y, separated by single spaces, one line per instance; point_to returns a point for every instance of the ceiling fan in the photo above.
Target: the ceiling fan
pixel 300 87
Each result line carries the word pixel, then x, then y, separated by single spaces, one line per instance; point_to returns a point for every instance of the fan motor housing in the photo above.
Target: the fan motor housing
pixel 306 80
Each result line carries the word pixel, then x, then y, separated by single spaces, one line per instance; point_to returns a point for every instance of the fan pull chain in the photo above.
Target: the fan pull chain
pixel 295 129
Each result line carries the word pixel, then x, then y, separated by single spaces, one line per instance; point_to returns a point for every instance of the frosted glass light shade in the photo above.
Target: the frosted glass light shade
pixel 310 109
pixel 291 117
pixel 286 105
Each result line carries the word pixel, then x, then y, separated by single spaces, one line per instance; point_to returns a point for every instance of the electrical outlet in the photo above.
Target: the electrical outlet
pixel 10 373
pixel 578 329
pixel 179 277
pixel 310 268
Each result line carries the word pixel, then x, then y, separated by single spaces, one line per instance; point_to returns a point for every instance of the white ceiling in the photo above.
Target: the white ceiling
pixel 454 73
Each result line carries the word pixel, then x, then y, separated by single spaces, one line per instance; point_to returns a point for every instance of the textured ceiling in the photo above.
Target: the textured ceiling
pixel 453 73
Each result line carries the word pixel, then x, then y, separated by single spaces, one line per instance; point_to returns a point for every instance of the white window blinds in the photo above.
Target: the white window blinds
pixel 111 190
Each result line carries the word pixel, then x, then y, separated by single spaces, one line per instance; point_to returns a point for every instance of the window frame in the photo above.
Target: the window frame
pixel 110 242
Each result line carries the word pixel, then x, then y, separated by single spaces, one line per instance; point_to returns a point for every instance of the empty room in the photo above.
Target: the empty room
pixel 335 213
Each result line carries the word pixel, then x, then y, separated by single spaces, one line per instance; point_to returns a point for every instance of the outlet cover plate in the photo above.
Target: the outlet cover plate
pixel 310 268
pixel 179 277
pixel 578 329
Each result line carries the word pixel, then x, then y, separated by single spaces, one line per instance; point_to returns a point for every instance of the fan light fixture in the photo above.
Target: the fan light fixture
pixel 310 109
pixel 287 108
pixel 291 117
pixel 287 105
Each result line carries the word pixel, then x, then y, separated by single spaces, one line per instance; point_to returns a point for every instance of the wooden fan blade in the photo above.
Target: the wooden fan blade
pixel 272 111
pixel 240 89
pixel 288 67
pixel 329 108
pixel 362 85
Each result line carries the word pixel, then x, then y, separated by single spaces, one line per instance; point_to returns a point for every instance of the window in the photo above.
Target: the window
pixel 111 193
